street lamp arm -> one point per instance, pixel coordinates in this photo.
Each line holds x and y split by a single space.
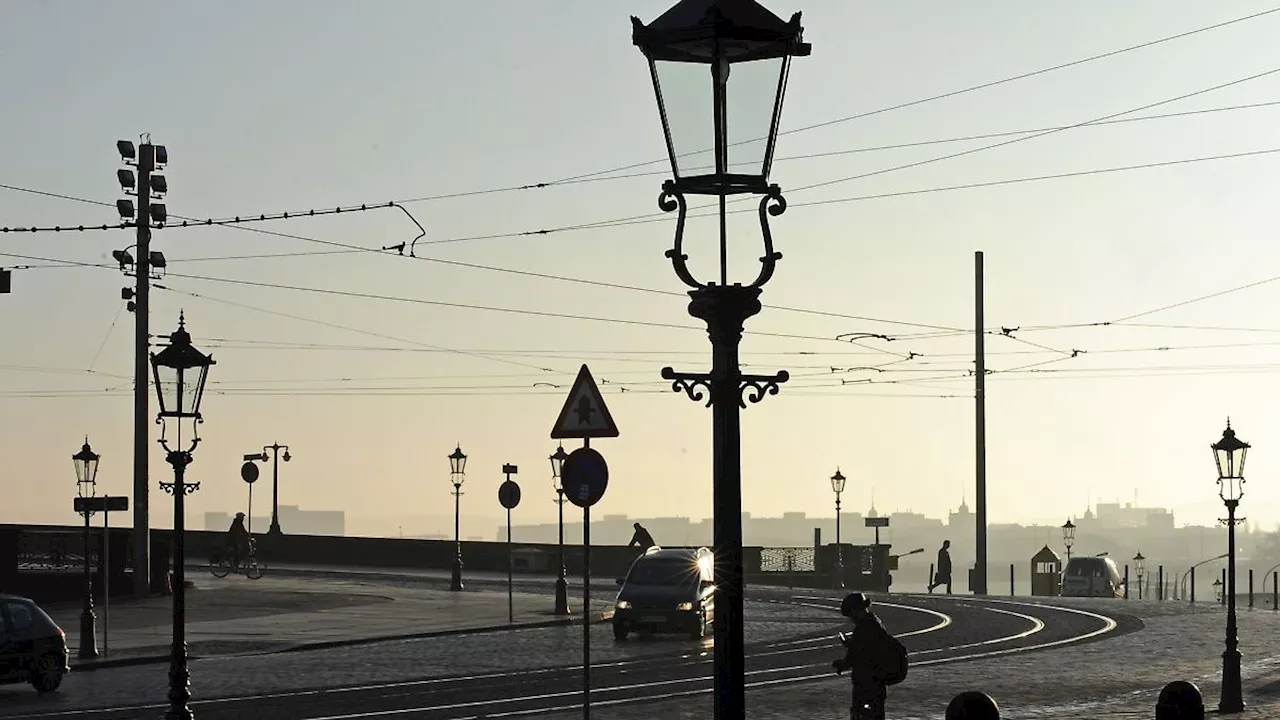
755 387
696 385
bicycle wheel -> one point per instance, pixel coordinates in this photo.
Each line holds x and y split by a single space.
220 566
255 569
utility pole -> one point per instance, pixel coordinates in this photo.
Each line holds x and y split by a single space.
147 159
980 398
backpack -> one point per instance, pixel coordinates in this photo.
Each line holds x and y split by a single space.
896 662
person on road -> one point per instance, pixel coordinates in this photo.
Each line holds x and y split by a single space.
874 658
238 541
943 574
642 538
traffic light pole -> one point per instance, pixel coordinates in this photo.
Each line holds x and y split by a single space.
141 385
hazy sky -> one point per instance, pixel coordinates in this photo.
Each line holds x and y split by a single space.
267 107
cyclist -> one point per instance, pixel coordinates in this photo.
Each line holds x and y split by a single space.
238 541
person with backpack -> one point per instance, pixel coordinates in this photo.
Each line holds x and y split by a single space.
874 658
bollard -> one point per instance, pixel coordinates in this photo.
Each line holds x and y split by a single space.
1160 582
1193 586
1275 590
931 578
973 705
1012 593
1126 581
1223 600
1250 587
1180 700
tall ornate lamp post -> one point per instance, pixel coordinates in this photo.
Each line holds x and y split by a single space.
562 586
457 475
837 487
1068 536
1140 568
180 372
86 487
1229 454
706 57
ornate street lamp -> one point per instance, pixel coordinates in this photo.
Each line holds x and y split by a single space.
180 372
86 462
1139 567
837 487
1229 454
562 586
707 57
457 475
1068 536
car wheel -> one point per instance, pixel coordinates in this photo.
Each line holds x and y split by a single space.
619 631
47 674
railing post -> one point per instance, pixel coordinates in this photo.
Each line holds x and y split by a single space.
1193 585
1012 592
929 582
1126 581
1250 587
1160 582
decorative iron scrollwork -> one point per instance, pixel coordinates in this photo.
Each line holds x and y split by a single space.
696 385
772 203
672 199
755 387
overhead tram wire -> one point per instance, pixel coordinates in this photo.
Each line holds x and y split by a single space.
962 91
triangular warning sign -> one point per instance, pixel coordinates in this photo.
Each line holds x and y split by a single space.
584 414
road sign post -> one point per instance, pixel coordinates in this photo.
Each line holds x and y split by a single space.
877 523
584 477
509 497
106 505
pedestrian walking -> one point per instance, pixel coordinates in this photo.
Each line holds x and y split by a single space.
943 574
874 658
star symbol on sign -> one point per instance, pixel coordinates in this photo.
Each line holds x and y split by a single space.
584 410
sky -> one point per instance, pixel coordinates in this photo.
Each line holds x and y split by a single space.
372 366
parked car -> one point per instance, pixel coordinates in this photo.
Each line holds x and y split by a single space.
666 591
1092 577
32 647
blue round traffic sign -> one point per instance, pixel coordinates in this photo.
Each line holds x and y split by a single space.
584 476
509 494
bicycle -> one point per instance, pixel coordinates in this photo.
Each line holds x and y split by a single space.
250 566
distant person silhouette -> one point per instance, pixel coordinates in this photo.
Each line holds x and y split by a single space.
238 541
641 538
943 574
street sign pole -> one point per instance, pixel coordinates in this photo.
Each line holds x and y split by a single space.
106 579
509 497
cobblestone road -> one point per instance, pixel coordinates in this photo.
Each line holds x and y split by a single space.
394 661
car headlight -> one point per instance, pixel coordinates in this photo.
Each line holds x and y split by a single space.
623 605
685 606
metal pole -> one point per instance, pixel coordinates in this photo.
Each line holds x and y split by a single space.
980 397
106 578
1275 590
1126 582
275 491
455 578
511 601
1012 591
1232 694
179 676
586 613
839 548
88 641
1223 580
1193 584
141 382
1160 583
1250 587
562 585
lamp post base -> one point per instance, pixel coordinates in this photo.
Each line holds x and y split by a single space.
455 577
88 634
1232 694
562 595
275 530
179 686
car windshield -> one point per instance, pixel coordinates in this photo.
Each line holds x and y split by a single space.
1086 569
664 572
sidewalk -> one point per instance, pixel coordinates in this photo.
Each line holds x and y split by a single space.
234 616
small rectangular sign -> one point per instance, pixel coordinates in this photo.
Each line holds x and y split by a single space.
877 522
106 503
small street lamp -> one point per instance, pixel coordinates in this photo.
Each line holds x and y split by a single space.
1217 590
719 70
180 372
1069 536
457 475
86 462
275 457
1229 454
837 487
1140 568
562 586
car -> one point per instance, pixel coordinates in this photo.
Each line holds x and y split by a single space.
33 649
1092 577
666 590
